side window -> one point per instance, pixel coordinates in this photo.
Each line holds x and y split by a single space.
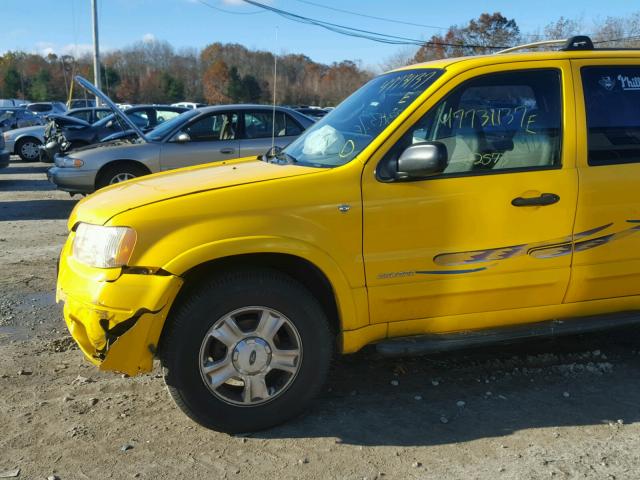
82 115
501 121
612 103
164 115
219 126
293 127
100 114
140 118
259 124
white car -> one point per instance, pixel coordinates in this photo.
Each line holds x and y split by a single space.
190 105
25 142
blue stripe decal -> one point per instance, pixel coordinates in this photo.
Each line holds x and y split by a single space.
449 272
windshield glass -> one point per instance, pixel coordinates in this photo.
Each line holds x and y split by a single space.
165 128
343 133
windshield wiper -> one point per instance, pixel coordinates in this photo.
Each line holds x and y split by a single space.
276 155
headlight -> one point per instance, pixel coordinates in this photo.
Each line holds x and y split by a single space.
103 247
70 162
6 136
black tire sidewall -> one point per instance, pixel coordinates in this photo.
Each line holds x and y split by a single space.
182 372
104 177
21 144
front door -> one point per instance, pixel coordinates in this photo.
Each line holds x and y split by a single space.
491 231
212 137
607 265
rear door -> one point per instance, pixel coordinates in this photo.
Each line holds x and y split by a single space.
258 128
212 137
606 264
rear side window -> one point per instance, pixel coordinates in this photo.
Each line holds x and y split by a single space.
259 124
496 122
612 103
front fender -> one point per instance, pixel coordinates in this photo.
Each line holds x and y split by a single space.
351 302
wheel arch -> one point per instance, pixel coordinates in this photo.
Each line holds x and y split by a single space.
326 282
18 141
123 161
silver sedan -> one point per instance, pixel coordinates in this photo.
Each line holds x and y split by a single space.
198 136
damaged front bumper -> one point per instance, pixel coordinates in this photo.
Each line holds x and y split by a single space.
115 317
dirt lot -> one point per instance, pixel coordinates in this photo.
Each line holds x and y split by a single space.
560 408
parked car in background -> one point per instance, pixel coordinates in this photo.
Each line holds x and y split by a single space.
81 103
198 136
25 142
43 109
89 114
314 112
145 117
17 117
189 105
13 102
4 154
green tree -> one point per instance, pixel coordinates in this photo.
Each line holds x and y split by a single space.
39 90
235 89
172 88
11 83
251 90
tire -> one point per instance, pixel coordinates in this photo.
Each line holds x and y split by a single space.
119 172
27 149
189 338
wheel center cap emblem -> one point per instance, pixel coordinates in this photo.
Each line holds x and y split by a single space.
251 356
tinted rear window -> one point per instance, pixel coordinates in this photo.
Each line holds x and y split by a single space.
612 103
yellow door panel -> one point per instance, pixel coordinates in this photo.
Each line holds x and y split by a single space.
454 243
608 159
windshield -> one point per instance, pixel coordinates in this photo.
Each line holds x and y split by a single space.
343 133
165 128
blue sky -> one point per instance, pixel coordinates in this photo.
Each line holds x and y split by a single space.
65 25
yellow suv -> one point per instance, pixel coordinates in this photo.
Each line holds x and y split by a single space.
456 202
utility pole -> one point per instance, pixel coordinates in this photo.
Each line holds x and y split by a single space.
96 48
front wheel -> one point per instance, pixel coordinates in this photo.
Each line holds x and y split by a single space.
246 351
119 172
28 149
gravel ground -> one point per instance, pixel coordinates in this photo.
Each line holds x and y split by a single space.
565 408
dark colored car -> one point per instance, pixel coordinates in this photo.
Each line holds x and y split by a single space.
89 114
146 117
16 117
60 138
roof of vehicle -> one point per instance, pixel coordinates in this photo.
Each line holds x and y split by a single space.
469 62
87 109
241 106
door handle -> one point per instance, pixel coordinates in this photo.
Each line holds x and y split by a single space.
542 200
227 150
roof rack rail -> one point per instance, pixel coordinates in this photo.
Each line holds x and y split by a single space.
579 42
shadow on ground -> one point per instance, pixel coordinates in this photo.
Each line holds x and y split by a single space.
362 407
35 209
33 168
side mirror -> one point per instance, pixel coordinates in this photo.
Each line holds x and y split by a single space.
182 137
422 160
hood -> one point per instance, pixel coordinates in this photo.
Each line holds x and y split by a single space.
101 206
66 121
107 101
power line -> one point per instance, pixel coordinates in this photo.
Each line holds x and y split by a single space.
390 20
226 11
360 33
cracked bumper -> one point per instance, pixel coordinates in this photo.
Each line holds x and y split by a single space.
115 318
